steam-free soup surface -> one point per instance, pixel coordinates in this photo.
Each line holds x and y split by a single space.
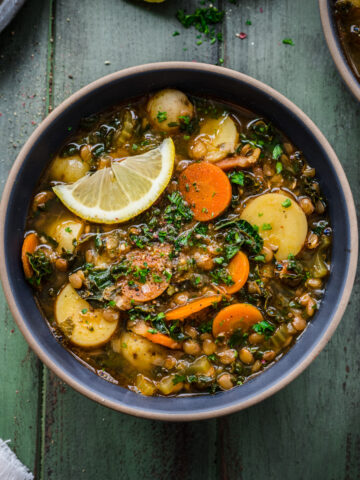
347 14
214 280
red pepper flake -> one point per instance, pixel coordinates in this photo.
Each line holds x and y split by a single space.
33 123
241 35
261 10
0 114
12 331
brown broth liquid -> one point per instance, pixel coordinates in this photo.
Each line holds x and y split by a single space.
348 22
194 254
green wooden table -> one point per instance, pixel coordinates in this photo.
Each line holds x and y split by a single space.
309 430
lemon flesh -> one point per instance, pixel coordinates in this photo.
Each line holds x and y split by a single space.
120 192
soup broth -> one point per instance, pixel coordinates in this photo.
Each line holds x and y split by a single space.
209 285
347 14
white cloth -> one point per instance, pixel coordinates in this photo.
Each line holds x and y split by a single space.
10 466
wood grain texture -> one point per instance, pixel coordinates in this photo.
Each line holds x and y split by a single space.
23 53
309 430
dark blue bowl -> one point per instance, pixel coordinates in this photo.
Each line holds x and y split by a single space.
335 47
231 87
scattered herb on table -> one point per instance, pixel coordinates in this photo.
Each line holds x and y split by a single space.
288 41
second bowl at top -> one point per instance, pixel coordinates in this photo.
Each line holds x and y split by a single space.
342 33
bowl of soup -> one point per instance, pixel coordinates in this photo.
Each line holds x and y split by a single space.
179 241
341 23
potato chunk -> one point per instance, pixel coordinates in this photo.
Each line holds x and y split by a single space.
281 222
218 138
83 327
165 108
67 234
68 169
139 352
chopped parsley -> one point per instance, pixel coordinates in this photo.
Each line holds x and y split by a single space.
279 167
277 151
237 178
222 276
288 41
157 278
263 328
206 327
266 226
202 20
161 117
177 212
286 203
68 230
141 273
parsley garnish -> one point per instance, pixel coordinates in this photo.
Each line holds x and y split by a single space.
237 177
266 226
263 328
201 19
288 41
141 273
277 151
161 117
286 203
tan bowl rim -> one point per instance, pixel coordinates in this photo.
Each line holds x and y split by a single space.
294 372
333 42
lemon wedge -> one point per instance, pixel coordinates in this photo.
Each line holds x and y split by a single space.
120 192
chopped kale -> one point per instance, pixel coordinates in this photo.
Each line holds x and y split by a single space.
177 212
41 266
241 234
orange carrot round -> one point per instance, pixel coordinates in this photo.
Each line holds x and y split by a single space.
192 307
163 340
29 246
238 268
207 190
238 315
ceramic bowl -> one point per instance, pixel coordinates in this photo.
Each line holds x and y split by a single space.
335 47
194 78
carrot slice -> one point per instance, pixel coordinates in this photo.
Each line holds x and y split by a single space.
239 271
164 340
152 265
207 190
238 315
141 328
30 243
192 307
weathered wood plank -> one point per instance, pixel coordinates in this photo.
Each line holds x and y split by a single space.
122 34
23 54
83 439
86 440
273 431
310 429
